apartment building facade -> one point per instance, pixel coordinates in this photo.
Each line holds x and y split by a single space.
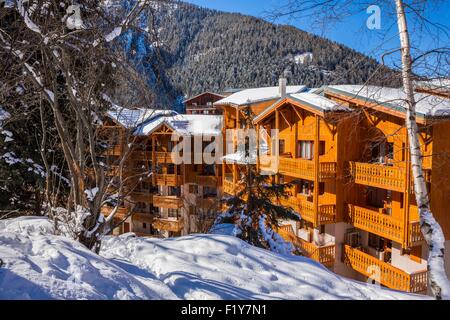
359 215
165 197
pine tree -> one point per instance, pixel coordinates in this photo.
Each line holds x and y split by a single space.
254 209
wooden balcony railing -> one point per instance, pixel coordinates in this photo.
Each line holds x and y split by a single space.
121 213
115 150
170 202
142 217
389 275
141 155
174 225
375 222
326 214
163 157
228 185
383 225
207 203
209 181
415 234
137 196
304 169
378 175
325 255
172 180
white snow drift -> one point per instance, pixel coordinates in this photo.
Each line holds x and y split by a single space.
40 265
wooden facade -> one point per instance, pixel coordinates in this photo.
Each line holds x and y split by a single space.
203 103
162 198
353 184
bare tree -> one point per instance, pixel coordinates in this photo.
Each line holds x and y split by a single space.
64 53
431 230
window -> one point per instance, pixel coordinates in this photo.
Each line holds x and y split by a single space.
144 225
281 146
209 192
375 242
170 145
173 213
171 168
322 148
175 191
321 188
209 170
305 149
390 151
306 187
382 152
353 238
193 188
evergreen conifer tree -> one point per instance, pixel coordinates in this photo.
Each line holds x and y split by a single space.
255 209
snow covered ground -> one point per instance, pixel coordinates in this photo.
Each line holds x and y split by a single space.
39 265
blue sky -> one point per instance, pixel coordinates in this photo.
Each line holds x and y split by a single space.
352 31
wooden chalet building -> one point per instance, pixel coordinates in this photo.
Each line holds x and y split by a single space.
203 103
163 199
346 148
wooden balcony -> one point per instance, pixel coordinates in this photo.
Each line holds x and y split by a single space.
121 213
115 150
172 180
142 217
164 157
228 185
141 155
207 203
378 175
389 276
173 225
326 214
138 196
415 234
383 225
325 255
170 202
304 169
375 222
209 181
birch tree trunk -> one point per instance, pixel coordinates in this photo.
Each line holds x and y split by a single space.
431 230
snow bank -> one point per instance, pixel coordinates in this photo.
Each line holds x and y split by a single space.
39 265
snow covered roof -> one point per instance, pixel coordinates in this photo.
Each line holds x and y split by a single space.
206 92
440 85
257 95
394 98
184 124
130 118
309 99
318 102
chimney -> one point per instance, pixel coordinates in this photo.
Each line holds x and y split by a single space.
282 87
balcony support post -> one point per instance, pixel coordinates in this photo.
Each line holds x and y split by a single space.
316 171
153 160
276 148
406 196
257 148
